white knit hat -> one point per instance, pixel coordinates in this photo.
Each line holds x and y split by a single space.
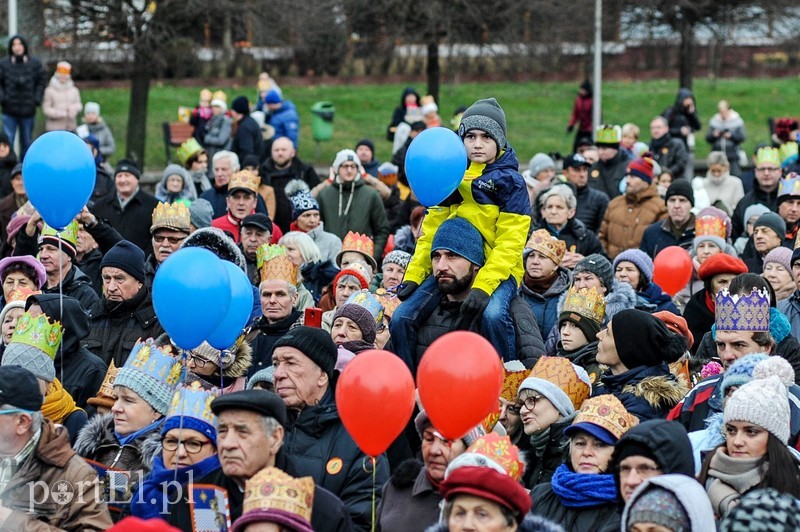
764 401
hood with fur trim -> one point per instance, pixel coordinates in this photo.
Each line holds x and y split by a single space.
661 392
218 243
99 430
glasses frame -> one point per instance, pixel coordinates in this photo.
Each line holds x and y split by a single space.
188 445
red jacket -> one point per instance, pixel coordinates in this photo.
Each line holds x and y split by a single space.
582 114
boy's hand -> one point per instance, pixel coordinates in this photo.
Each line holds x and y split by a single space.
407 290
476 302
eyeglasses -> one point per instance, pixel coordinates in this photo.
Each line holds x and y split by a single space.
171 239
642 470
191 446
530 402
14 411
514 409
199 362
767 169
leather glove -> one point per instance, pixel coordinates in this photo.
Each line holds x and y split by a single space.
475 303
407 290
570 128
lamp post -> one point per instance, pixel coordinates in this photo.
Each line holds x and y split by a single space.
598 65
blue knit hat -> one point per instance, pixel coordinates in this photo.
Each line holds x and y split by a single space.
741 371
126 256
639 259
302 202
191 409
460 237
150 373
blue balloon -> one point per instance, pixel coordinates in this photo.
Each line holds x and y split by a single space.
191 295
59 175
229 329
435 164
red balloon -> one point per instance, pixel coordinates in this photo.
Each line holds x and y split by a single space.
375 399
672 269
459 380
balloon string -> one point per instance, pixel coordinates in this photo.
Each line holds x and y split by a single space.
374 468
61 305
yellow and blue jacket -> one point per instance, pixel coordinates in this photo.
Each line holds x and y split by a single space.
495 200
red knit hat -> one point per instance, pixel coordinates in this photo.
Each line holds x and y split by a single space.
486 483
357 271
676 324
642 168
720 263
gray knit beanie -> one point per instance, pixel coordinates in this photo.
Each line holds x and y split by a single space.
200 213
34 360
540 162
598 265
488 116
659 506
772 221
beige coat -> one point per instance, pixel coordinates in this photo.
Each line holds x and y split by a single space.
61 105
627 217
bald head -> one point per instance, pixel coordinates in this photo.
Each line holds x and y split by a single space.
282 152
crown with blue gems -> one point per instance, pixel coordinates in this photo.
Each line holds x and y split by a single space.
363 298
39 332
746 312
589 303
193 401
789 185
151 373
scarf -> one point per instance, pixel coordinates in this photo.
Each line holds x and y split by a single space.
539 441
435 483
583 490
710 303
159 487
126 439
58 403
540 286
293 227
10 465
729 478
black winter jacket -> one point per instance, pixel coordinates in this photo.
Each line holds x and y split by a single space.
22 82
328 514
114 328
134 222
318 275
592 204
698 317
647 392
578 238
757 195
670 154
248 139
677 116
83 371
542 464
278 178
547 504
319 446
606 175
659 236
263 336
409 502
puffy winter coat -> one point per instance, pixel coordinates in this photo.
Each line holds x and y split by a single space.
22 82
592 205
577 238
187 193
606 175
248 139
576 519
717 127
102 132
690 494
286 122
544 305
27 493
670 154
627 217
329 244
61 105
659 236
409 502
654 299
698 317
320 447
318 275
218 134
647 392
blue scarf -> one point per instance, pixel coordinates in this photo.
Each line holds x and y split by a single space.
159 487
125 440
583 490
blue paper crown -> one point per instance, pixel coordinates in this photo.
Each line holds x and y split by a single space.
192 403
790 185
748 312
151 373
363 298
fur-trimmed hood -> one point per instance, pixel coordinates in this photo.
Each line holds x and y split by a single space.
217 242
621 297
151 447
663 391
243 357
99 430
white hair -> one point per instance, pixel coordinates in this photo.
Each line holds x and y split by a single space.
309 250
232 157
562 191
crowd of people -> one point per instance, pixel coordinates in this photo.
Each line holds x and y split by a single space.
622 407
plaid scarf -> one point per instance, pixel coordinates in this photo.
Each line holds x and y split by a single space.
9 466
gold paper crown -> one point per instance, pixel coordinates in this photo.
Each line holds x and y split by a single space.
244 179
512 378
69 234
548 245
500 450
173 216
275 264
193 401
272 489
589 303
710 226
768 155
38 332
607 412
358 242
107 388
746 312
559 371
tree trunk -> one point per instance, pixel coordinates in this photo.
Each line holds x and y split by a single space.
137 113
433 69
686 59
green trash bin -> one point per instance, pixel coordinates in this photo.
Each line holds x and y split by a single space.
322 121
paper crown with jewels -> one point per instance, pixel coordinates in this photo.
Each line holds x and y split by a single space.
151 373
389 300
542 241
193 401
788 153
360 244
768 155
68 235
708 225
492 450
105 395
608 134
513 375
174 216
272 495
589 303
187 149
38 332
275 265
746 312
608 413
244 180
363 298
789 185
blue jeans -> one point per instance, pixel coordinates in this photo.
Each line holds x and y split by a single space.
25 124
496 323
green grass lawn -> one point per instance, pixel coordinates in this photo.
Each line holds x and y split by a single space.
537 113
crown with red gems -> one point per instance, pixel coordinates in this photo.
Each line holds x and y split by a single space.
589 303
273 490
39 332
608 412
548 245
710 226
244 179
358 242
746 312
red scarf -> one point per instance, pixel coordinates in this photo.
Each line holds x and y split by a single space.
293 227
710 303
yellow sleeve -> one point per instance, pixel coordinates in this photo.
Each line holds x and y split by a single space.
420 266
505 259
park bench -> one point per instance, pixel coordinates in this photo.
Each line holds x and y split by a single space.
175 134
